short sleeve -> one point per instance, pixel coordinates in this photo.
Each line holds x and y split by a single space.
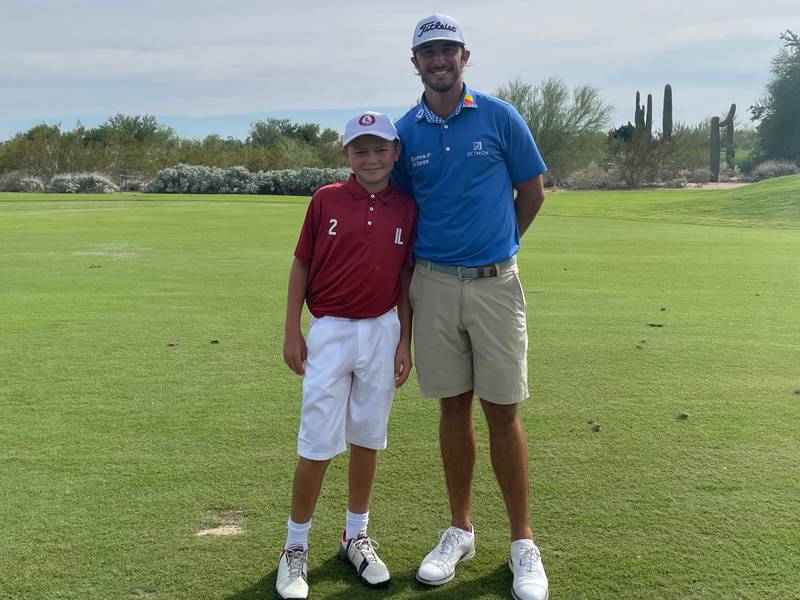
522 156
409 258
400 177
308 234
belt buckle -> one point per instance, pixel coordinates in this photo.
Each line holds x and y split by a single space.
477 272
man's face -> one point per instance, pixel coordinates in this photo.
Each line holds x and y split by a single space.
441 64
371 158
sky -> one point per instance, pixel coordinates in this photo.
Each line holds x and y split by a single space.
215 67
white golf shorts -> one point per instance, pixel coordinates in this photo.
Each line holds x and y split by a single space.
349 384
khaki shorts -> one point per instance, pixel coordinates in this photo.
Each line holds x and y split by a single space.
470 334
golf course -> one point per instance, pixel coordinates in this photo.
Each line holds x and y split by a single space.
148 422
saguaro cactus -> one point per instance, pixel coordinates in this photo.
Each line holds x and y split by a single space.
638 120
714 146
730 154
648 123
714 149
666 123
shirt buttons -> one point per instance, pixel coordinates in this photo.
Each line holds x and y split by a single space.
444 126
369 222
371 208
447 148
372 195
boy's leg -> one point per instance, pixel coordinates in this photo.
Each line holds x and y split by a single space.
326 387
367 419
363 467
308 478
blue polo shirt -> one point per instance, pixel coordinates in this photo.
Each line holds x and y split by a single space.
462 173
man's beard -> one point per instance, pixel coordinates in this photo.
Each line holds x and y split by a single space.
442 87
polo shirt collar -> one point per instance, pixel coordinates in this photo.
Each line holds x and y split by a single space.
358 192
467 101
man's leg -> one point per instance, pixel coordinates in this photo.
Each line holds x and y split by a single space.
457 443
510 462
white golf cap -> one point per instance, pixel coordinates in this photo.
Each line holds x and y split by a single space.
369 123
437 27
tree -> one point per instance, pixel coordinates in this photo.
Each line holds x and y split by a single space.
566 125
778 112
294 145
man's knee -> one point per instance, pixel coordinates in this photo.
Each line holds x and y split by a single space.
500 416
457 408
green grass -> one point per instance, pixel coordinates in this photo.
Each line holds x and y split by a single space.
115 448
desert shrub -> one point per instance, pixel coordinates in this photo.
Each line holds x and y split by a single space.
696 175
81 183
236 180
591 177
186 179
195 179
677 183
773 168
18 181
305 182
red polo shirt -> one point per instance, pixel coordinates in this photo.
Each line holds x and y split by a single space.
356 242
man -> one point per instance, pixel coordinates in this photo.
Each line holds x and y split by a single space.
464 155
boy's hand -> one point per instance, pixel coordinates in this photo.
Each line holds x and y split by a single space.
295 352
402 364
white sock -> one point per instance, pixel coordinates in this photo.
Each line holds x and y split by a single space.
297 535
355 525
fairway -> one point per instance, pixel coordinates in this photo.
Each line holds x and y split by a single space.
143 398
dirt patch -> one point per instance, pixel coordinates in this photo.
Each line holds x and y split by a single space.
224 522
222 530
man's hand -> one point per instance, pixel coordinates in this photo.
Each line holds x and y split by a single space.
402 364
295 352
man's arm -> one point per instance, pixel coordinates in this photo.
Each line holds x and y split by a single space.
530 196
402 356
294 345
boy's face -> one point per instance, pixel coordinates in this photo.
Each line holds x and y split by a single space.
371 158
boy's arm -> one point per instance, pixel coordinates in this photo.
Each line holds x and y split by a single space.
294 345
402 356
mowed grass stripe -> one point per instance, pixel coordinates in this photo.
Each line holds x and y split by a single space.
117 448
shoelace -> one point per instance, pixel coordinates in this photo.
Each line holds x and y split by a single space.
529 560
367 548
296 558
448 543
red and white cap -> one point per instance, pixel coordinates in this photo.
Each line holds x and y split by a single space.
437 27
369 123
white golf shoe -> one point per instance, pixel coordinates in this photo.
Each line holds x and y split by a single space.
439 566
530 581
360 552
292 581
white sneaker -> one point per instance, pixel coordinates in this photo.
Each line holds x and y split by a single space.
530 581
439 566
292 582
360 552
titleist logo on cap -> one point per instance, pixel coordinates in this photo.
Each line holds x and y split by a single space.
432 25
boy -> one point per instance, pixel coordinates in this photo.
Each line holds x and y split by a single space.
352 267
